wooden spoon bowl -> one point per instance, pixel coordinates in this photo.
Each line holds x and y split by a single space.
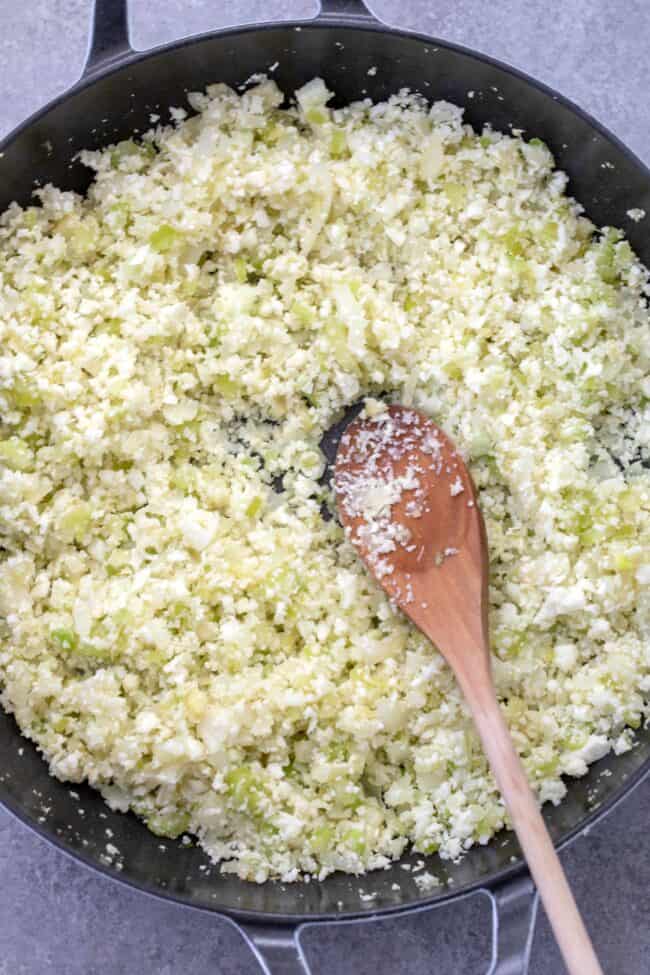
440 513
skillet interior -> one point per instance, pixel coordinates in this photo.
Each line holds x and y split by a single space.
604 177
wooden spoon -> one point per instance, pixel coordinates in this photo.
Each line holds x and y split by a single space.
408 504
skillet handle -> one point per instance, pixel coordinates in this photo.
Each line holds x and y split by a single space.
109 31
349 11
276 947
109 35
278 950
514 910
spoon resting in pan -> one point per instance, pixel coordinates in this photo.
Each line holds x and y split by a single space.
407 503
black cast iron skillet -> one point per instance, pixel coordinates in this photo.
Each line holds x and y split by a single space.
115 96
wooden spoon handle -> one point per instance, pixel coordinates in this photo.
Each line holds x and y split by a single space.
543 861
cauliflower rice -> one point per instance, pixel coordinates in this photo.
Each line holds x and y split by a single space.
208 651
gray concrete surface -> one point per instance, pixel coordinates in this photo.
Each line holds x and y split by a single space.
57 918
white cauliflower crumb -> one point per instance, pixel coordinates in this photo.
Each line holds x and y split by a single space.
456 487
208 651
368 897
426 882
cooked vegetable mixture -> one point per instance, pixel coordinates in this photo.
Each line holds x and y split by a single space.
181 626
